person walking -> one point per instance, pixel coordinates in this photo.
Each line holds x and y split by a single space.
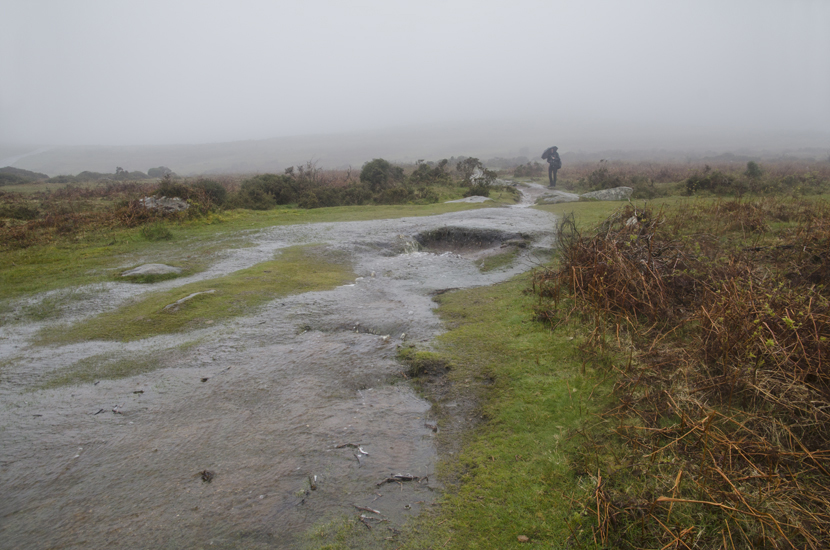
554 164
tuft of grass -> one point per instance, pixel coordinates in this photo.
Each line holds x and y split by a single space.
497 261
156 231
109 366
296 270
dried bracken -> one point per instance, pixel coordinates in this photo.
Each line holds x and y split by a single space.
722 411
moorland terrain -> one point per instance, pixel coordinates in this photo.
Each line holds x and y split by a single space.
651 373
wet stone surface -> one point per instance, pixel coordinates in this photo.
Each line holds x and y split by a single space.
264 403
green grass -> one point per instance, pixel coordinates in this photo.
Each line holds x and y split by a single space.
296 270
513 474
587 214
497 261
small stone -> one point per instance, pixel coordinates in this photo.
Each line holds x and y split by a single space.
522 538
175 305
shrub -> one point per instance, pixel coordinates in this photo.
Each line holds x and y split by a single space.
356 194
169 188
753 170
644 188
214 190
478 190
308 200
602 178
254 198
380 174
716 182
279 189
430 173
425 195
467 168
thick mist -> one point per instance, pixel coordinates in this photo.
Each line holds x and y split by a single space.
640 73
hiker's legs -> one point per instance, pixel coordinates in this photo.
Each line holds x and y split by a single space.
554 177
551 174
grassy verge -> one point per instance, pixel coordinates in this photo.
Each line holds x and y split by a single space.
513 472
296 270
496 261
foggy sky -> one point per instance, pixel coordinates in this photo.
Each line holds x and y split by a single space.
195 71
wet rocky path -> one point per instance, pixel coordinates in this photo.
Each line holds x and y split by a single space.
240 437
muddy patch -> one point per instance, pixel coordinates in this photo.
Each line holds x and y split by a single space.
470 243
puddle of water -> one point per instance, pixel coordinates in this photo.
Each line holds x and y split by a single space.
261 402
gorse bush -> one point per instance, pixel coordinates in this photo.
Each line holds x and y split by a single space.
267 190
168 187
380 174
430 174
214 190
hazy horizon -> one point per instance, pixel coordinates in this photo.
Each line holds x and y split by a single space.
187 72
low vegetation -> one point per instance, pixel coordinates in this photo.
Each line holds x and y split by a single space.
718 420
663 384
36 215
196 305
718 177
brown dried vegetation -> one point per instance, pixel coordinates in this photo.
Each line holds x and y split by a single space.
73 211
722 405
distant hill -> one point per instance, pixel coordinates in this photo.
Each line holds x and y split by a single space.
10 175
507 139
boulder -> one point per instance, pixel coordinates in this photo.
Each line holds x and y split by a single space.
165 204
152 269
556 197
615 194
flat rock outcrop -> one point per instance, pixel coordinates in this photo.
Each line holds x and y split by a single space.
556 197
165 204
615 194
